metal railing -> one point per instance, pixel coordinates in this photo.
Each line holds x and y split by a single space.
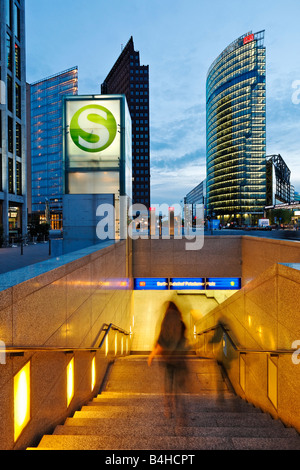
12 351
71 390
268 384
244 350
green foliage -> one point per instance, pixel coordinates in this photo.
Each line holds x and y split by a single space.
282 216
39 230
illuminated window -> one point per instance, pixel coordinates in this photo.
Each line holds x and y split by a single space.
10 176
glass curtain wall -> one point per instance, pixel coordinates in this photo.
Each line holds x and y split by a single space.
47 142
236 132
13 213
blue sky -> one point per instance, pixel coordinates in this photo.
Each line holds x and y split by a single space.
178 39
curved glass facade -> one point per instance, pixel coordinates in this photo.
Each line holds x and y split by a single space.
236 131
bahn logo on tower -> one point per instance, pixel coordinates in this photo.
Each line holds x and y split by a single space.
249 38
92 129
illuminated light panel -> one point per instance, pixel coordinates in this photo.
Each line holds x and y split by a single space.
93 371
116 344
273 382
21 400
70 381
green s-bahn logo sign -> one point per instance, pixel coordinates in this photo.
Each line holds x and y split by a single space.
93 128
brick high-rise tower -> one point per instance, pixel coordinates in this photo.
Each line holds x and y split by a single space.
130 78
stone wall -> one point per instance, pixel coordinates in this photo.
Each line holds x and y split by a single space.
60 303
263 316
258 254
219 257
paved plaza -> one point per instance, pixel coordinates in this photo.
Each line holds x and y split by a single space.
11 258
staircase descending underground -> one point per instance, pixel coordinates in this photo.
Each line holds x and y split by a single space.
129 415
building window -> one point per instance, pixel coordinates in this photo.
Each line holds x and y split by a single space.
19 178
9 93
8 13
10 176
1 187
10 130
17 61
18 100
9 51
17 21
18 140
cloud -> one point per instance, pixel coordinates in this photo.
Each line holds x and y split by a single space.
180 162
178 157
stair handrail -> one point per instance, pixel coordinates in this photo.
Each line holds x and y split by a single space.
106 327
245 350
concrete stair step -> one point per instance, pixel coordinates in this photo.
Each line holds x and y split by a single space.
144 411
277 443
84 442
200 406
74 426
198 419
129 415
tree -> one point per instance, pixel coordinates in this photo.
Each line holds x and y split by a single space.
282 216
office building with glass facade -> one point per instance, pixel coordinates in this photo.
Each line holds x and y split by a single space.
236 132
47 168
279 188
130 78
13 210
197 196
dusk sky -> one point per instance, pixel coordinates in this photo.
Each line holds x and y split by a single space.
179 40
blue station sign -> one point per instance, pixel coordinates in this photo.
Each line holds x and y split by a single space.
187 284
201 283
230 283
151 283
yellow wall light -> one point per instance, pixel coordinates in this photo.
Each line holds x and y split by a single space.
116 344
21 400
70 381
106 346
93 378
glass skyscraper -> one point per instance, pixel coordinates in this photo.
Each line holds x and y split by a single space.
13 210
236 131
47 168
